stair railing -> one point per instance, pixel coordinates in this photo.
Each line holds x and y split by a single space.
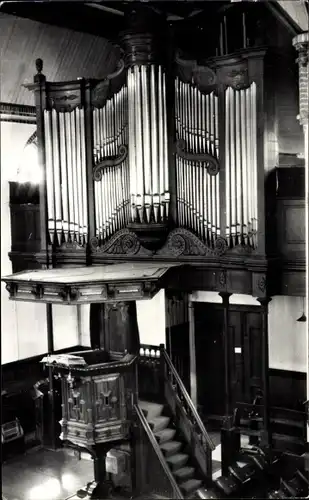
160 479
188 418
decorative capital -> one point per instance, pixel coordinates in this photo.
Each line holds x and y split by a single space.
225 297
264 301
301 44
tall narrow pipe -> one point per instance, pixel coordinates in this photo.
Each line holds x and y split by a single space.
254 159
243 122
249 162
131 134
84 175
154 143
233 166
146 139
238 161
161 142
78 175
138 140
57 178
165 150
49 176
227 164
64 180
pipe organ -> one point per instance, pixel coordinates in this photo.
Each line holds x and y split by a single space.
157 146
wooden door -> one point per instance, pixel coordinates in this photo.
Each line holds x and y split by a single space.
246 335
246 362
209 358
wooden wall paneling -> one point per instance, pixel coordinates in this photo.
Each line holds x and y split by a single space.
291 228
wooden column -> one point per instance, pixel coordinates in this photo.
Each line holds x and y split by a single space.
227 358
266 434
301 44
230 439
89 171
40 102
51 393
193 383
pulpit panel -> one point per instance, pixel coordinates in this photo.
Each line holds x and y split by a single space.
108 398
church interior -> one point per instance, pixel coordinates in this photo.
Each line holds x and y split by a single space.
154 257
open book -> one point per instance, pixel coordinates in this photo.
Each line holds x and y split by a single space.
64 359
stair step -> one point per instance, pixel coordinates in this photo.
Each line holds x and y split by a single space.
158 423
170 448
165 435
190 486
184 473
152 410
177 461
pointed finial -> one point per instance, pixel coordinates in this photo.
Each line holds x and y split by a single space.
39 65
39 77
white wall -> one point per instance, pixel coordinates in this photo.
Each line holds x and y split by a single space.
23 324
287 337
151 319
84 325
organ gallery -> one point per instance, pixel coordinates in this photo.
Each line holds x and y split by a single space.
165 175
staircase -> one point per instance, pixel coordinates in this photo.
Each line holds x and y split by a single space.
174 449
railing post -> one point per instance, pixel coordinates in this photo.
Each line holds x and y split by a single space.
193 385
162 370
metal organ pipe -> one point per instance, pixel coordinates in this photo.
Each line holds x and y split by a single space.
196 123
111 192
241 165
66 176
64 180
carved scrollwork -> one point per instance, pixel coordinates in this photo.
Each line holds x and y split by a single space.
71 245
111 161
69 294
212 164
38 291
12 289
181 242
66 101
200 75
102 89
236 76
94 243
221 246
222 279
123 243
262 283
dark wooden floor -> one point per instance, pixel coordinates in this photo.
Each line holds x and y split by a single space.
44 475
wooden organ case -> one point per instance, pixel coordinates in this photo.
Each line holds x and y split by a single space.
163 162
165 158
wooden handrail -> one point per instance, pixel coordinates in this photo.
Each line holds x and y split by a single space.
186 396
158 452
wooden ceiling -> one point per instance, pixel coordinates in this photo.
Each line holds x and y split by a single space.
106 18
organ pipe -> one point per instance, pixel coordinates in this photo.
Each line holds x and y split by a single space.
241 165
66 176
